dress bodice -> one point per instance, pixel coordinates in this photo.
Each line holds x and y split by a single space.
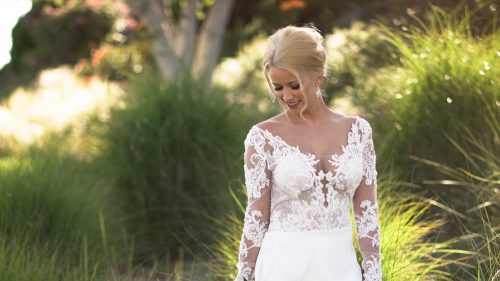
308 191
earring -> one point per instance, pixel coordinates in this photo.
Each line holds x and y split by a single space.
318 92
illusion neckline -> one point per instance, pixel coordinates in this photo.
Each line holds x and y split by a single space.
315 156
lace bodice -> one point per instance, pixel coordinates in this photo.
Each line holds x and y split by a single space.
289 190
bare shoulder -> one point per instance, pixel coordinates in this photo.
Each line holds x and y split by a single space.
359 123
279 123
343 121
272 122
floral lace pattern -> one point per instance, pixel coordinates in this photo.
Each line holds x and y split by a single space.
287 191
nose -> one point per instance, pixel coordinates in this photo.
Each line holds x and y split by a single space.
287 94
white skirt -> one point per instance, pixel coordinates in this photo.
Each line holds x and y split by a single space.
308 256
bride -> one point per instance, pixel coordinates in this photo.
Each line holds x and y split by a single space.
304 169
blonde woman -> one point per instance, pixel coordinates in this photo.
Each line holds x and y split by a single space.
304 170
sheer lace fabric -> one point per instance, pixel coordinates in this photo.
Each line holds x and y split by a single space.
289 190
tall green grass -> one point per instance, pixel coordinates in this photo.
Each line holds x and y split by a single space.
223 254
478 179
171 149
444 78
476 220
438 111
59 218
23 260
484 242
50 214
48 194
411 249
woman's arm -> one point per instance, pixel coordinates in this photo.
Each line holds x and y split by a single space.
365 209
257 180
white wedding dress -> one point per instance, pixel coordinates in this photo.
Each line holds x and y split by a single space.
297 223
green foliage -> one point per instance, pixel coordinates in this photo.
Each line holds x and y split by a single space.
478 217
354 54
59 219
435 108
482 238
410 250
40 185
243 78
23 261
49 36
114 62
478 181
223 254
251 18
50 216
446 79
486 247
172 149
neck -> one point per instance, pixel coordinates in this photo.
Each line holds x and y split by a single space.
315 112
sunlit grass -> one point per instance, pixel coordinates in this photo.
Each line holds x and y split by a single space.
440 77
21 259
58 219
484 242
411 249
58 99
49 208
477 220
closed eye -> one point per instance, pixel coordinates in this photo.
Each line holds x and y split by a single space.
292 86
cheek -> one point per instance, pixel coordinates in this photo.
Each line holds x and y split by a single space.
310 90
297 93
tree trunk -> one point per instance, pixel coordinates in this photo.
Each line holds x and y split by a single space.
174 44
163 31
186 39
210 38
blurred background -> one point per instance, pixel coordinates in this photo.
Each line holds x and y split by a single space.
122 127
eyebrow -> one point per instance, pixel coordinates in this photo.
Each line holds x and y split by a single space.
291 82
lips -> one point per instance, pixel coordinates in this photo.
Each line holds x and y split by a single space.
292 104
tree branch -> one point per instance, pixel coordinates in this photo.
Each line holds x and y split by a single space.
211 36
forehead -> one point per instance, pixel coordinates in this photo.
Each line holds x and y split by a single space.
280 75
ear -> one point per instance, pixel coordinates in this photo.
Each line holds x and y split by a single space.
320 78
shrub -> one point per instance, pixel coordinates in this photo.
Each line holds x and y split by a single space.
446 79
354 54
477 218
51 216
243 77
50 36
172 148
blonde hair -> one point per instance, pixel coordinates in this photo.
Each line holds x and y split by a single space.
296 49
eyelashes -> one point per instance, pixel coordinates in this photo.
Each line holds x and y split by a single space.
293 87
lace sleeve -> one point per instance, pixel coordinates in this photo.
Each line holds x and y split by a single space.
366 209
257 180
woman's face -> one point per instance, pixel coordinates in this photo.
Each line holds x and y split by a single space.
287 88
